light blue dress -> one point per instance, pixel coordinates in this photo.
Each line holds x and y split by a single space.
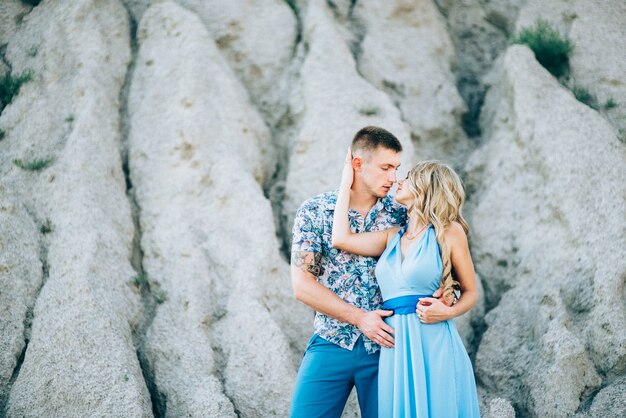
428 373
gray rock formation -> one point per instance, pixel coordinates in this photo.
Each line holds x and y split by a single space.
21 278
258 38
597 61
479 31
547 207
609 401
11 13
80 346
246 33
143 263
416 73
227 296
333 102
500 408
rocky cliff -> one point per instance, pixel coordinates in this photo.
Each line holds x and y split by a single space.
153 155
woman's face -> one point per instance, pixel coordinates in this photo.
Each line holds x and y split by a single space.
403 194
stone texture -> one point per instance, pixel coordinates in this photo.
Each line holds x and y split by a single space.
228 302
609 402
11 14
500 408
416 73
80 359
258 38
548 198
331 103
21 277
225 103
597 61
136 8
479 31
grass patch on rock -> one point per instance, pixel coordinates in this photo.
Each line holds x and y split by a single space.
584 96
46 227
140 280
35 164
550 47
10 87
369 110
609 104
159 295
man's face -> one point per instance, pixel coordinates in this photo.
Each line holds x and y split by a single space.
378 170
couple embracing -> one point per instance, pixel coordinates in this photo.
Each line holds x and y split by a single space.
385 275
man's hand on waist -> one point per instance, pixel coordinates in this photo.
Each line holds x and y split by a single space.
372 325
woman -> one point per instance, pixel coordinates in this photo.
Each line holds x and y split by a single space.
427 373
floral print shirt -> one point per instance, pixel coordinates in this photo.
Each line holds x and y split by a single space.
349 276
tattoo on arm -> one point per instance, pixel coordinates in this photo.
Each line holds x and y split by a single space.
307 261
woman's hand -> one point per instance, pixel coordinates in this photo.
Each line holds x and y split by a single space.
433 310
347 176
448 300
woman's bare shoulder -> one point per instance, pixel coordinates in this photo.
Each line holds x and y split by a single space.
454 233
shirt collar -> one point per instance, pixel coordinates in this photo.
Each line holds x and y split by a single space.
386 202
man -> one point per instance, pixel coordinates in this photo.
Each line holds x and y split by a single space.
349 328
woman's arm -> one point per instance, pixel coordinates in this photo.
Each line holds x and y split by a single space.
464 268
370 244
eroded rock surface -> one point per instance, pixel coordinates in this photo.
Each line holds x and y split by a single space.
81 343
555 331
333 102
416 73
224 281
597 62
143 268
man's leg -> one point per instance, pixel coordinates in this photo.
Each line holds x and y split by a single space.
324 380
366 380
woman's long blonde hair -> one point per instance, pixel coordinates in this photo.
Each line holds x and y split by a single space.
439 198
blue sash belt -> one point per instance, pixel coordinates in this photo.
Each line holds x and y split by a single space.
404 304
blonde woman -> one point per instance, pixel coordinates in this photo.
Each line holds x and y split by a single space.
426 372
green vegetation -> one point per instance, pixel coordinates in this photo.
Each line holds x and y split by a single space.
2 134
293 5
550 48
10 87
609 104
140 279
31 2
159 295
32 51
583 96
46 227
369 110
33 165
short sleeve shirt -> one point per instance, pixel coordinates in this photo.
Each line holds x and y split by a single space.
349 276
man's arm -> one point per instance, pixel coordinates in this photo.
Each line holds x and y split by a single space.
305 266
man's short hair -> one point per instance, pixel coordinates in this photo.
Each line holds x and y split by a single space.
370 138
